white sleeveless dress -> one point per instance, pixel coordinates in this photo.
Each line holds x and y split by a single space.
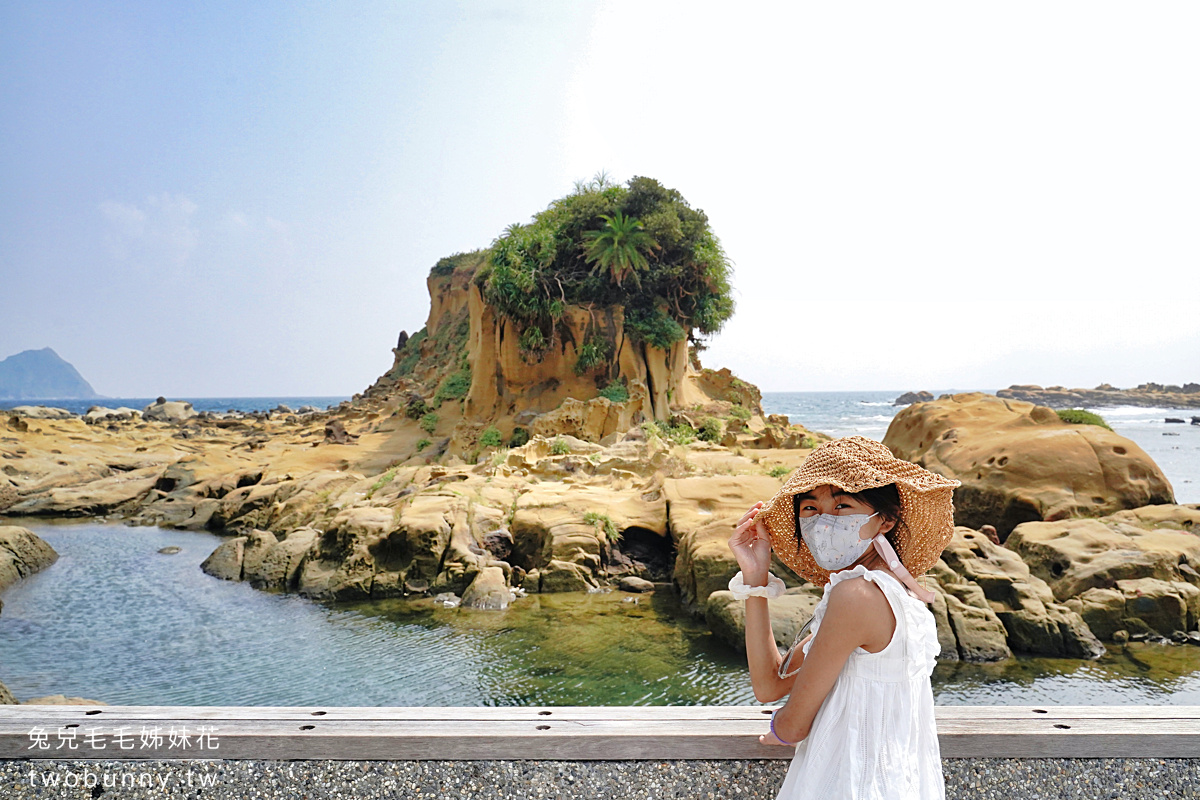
874 737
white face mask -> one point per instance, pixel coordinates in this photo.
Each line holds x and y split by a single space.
833 540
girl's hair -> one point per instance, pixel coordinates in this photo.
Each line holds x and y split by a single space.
883 499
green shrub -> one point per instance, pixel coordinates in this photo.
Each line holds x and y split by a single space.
679 434
421 445
603 523
383 481
490 437
740 412
429 422
519 437
1077 416
710 430
532 341
454 386
594 352
640 246
446 266
616 392
654 326
559 447
778 471
416 408
410 354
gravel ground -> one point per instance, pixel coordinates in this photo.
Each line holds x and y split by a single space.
1011 779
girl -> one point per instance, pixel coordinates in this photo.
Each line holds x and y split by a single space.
860 707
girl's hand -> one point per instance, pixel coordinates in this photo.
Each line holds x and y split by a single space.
751 546
770 738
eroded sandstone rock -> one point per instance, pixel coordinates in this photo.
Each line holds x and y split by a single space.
1122 571
726 616
1034 622
1019 462
703 511
22 553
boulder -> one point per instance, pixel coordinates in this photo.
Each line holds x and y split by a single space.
41 412
564 576
279 567
1075 555
908 398
226 561
169 411
1019 462
590 421
978 633
489 590
22 553
99 414
1024 604
726 616
632 583
703 511
6 697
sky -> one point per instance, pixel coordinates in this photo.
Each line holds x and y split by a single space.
232 199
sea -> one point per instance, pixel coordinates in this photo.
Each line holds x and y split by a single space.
1174 447
213 404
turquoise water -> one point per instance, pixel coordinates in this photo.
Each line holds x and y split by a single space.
116 621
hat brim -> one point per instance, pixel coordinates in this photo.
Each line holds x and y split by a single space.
853 464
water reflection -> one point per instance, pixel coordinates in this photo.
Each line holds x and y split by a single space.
116 621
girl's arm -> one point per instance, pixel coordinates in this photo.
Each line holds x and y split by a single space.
751 545
858 615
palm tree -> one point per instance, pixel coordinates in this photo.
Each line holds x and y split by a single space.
620 247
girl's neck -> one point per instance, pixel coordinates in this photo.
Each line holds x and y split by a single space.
872 560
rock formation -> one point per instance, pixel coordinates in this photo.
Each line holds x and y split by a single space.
1151 395
1135 571
1019 462
22 553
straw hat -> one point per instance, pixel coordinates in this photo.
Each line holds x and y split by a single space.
853 464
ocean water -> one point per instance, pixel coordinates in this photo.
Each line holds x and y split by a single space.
1174 447
214 404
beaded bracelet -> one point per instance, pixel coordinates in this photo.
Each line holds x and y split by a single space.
741 591
776 735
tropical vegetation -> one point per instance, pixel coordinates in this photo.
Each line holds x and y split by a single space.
640 246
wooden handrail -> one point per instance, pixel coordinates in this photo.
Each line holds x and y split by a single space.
556 732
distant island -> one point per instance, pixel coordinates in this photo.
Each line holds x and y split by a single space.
42 374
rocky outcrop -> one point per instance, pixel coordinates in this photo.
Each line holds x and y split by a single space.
6 697
1148 395
726 616
114 493
22 553
1034 622
703 511
1134 571
169 411
908 398
1019 462
40 412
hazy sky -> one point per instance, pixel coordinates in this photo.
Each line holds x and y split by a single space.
215 199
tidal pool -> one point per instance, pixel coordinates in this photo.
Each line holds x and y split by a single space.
116 621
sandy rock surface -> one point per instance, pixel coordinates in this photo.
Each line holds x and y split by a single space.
1019 462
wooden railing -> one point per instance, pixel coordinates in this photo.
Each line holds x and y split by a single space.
556 733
